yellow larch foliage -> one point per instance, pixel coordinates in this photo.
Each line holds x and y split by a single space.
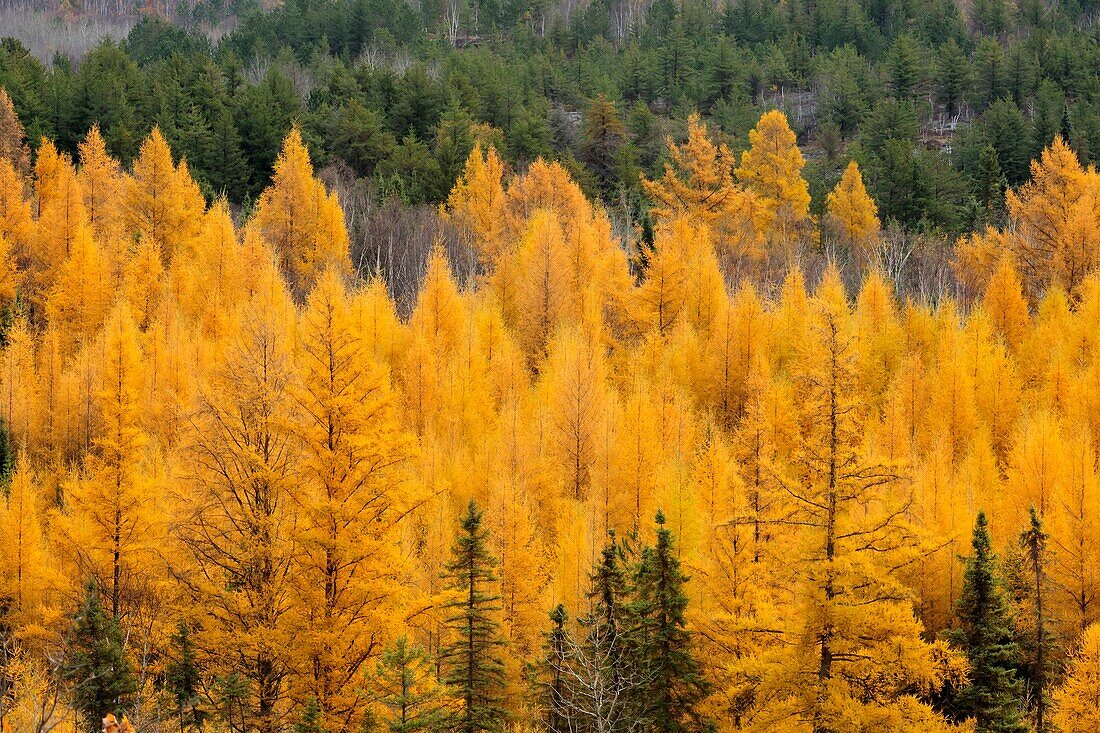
1074 523
1054 214
772 169
101 182
849 628
10 277
209 281
302 221
13 139
524 577
698 183
576 399
853 213
663 296
477 206
110 522
26 566
997 388
736 345
1048 354
19 388
881 345
436 330
160 200
1037 468
239 443
952 390
1076 706
377 323
173 362
942 512
791 318
235 513
81 296
352 493
1005 304
764 442
631 483
16 223
1054 222
142 283
546 186
543 287
61 215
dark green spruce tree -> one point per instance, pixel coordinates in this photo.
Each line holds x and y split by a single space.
660 642
556 694
471 661
182 679
990 183
404 684
97 667
985 633
310 722
1035 637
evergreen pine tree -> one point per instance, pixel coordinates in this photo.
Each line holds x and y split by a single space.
310 721
1037 639
660 641
985 635
97 667
472 663
604 135
609 589
990 181
556 655
407 691
952 77
906 67
182 679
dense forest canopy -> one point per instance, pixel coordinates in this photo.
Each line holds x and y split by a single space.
561 369
395 95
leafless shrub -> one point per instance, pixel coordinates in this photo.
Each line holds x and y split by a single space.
596 681
256 69
393 239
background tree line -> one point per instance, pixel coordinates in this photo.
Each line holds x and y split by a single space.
916 92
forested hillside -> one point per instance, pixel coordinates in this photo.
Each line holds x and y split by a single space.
942 105
357 376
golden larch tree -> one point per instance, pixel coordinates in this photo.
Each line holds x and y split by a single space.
352 495
111 522
544 285
236 510
576 398
19 388
476 204
101 182
81 296
160 200
302 221
772 169
16 223
26 566
855 649
1005 304
13 138
853 215
62 220
699 183
1077 701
